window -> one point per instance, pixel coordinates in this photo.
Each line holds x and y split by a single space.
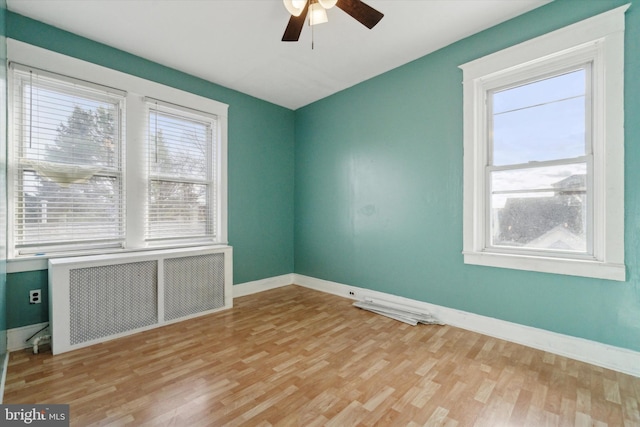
67 177
181 149
103 161
543 143
539 161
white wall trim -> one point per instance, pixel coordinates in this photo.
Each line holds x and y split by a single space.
17 337
603 355
30 264
248 288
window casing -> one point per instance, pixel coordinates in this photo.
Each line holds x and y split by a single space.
544 153
121 165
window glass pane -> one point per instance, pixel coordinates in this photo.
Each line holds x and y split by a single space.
543 178
180 146
68 128
178 210
569 85
540 121
67 162
540 208
180 174
49 213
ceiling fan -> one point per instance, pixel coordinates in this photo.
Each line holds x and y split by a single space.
317 11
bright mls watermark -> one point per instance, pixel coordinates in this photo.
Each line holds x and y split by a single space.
34 415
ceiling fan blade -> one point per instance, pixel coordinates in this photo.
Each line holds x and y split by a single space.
294 27
361 12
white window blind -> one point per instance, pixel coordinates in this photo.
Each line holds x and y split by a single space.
67 152
181 149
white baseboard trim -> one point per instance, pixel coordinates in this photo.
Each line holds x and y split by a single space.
17 337
595 353
606 356
256 286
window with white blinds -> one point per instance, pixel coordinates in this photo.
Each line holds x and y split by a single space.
181 145
102 161
66 181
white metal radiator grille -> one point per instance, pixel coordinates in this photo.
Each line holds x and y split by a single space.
98 298
111 299
190 285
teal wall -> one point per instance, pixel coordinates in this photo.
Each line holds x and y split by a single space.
260 162
20 312
378 193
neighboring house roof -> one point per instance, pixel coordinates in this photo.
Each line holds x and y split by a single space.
535 221
559 237
571 183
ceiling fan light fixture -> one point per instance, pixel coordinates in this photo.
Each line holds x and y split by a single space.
294 7
328 4
317 14
316 10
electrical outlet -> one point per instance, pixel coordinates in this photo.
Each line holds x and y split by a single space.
352 294
35 296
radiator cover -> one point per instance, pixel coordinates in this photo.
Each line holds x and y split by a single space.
187 288
97 298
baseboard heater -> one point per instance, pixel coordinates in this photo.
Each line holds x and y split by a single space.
93 299
409 315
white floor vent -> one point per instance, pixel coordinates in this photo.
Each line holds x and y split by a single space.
406 314
97 298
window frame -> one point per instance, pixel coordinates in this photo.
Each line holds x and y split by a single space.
547 70
134 145
600 41
64 85
210 121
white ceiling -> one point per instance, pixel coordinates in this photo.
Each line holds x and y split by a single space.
236 43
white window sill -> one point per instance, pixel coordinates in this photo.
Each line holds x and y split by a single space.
571 267
41 262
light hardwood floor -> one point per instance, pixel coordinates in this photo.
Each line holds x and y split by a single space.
297 357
